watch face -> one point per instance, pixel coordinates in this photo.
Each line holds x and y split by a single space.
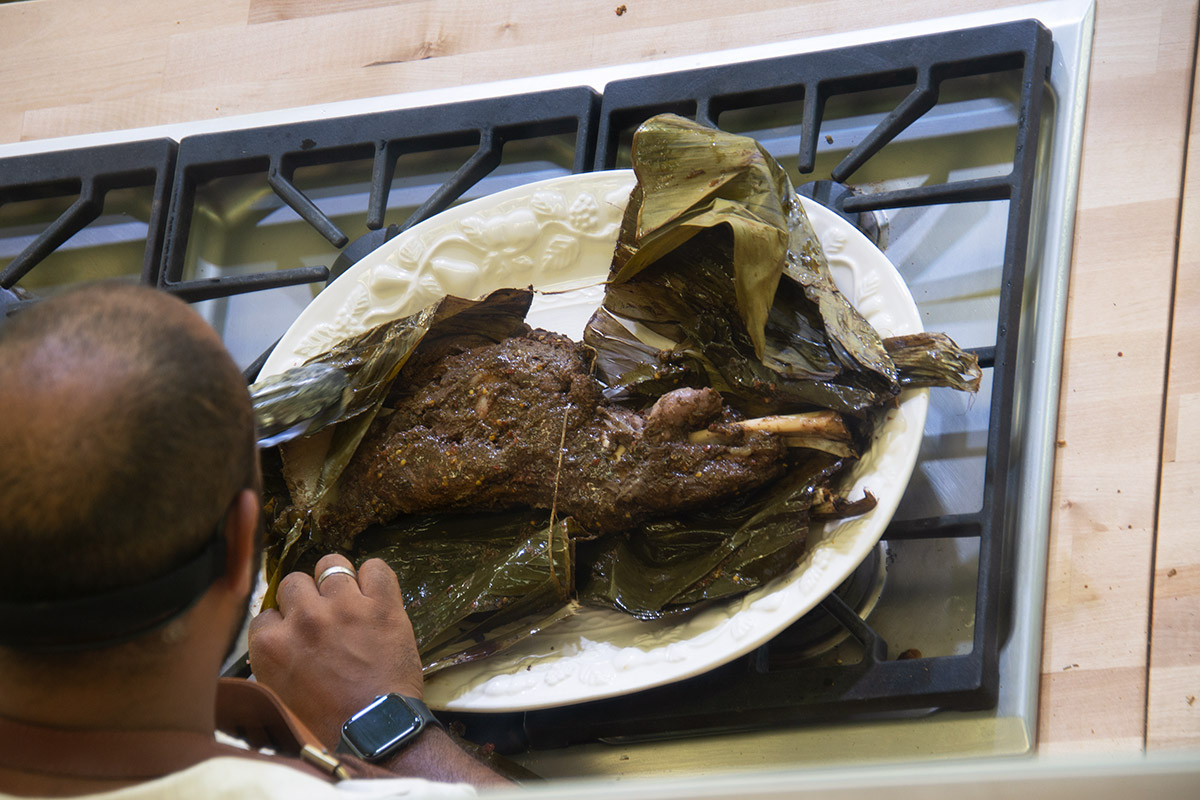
381 726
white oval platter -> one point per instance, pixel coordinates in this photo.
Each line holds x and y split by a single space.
558 235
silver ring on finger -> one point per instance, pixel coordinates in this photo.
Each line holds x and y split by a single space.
335 570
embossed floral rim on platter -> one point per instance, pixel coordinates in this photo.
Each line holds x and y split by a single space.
558 236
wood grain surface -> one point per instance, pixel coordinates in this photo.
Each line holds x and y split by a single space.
1123 557
1111 404
1173 714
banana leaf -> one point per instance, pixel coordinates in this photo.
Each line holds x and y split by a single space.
370 361
671 566
933 359
474 583
634 371
855 342
686 185
692 177
687 298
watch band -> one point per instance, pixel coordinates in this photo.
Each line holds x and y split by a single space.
427 717
385 726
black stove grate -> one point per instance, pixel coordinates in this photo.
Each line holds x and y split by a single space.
482 127
86 176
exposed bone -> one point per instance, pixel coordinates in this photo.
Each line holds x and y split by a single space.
827 425
834 448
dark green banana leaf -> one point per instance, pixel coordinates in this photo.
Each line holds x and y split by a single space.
633 371
691 178
473 582
687 298
933 359
853 340
671 566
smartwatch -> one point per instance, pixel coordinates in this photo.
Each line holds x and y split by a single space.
387 724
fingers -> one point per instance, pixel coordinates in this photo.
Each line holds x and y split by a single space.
334 573
331 647
379 581
263 621
295 589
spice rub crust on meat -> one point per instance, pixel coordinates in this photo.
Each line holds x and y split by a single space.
523 424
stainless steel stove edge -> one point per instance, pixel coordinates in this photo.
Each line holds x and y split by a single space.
1111 777
1068 83
945 736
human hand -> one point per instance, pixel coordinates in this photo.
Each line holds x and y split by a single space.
329 651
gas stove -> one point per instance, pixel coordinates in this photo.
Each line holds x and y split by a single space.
954 145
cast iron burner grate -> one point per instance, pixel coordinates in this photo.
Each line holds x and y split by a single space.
85 177
819 633
484 127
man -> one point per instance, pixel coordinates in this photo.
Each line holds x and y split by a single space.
129 525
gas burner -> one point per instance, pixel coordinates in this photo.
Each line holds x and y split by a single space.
13 299
818 632
832 195
359 249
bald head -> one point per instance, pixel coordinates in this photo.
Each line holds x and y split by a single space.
126 431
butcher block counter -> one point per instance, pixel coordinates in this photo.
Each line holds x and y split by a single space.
1121 659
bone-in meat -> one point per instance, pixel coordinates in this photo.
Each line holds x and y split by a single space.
523 424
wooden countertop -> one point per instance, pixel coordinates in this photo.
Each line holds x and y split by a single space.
1121 664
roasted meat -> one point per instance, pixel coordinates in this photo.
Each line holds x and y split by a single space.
523 424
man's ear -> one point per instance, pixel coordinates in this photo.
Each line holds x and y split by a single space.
241 530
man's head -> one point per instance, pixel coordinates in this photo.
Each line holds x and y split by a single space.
126 432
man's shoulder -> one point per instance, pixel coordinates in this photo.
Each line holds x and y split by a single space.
253 779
